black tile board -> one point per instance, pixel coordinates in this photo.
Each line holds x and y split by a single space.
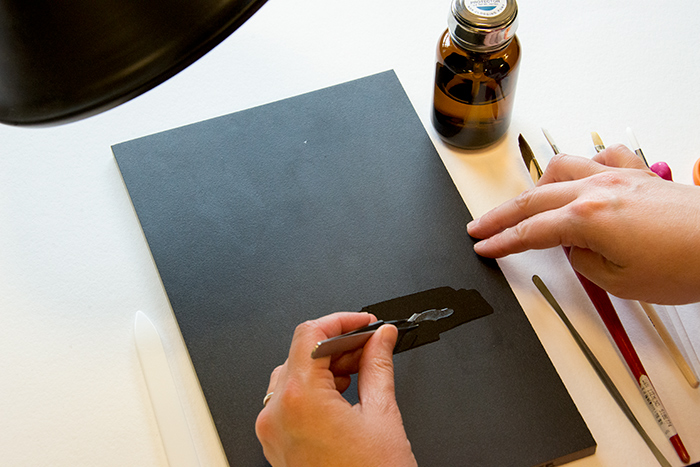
329 201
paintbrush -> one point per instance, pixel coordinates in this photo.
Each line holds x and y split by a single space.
635 146
550 140
659 168
597 141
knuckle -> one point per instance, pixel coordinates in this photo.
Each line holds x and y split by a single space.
306 328
585 209
264 426
523 200
292 398
608 178
276 372
618 148
557 160
606 193
519 233
306 325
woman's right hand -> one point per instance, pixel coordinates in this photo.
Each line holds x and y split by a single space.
630 232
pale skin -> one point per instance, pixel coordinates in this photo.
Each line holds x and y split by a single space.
631 232
307 422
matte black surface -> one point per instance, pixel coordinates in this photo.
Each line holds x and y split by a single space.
66 59
466 305
329 201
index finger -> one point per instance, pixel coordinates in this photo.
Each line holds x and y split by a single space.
523 206
551 192
310 333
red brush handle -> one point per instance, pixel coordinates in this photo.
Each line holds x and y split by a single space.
607 313
602 303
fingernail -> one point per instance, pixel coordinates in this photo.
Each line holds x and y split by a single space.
473 224
478 246
388 337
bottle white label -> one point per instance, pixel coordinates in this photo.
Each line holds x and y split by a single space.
486 8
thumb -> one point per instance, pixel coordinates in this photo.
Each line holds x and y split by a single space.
375 380
594 266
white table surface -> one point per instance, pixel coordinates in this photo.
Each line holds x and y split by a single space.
75 267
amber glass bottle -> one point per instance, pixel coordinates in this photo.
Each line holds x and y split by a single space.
476 73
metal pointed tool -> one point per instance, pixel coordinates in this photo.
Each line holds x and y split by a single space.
607 381
355 339
430 315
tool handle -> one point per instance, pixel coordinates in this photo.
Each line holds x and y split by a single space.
612 322
606 311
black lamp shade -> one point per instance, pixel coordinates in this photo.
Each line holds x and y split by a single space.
62 60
